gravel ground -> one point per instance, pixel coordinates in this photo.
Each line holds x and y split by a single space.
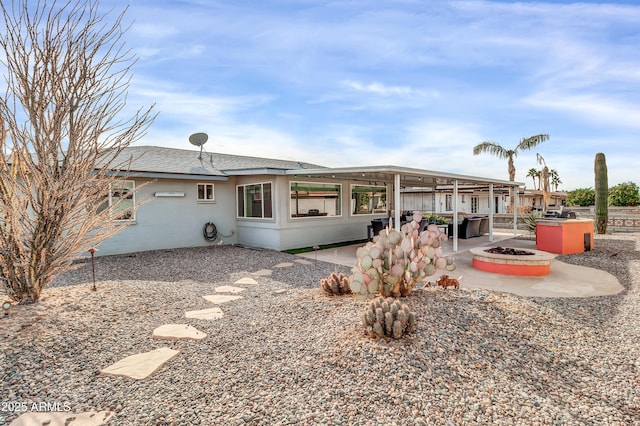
301 357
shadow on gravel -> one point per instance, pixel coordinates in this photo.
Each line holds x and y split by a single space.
202 264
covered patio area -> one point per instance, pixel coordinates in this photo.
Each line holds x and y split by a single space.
397 178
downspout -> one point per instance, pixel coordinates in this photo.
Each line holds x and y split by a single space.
455 216
491 210
396 201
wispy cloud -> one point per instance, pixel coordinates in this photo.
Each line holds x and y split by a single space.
407 83
378 88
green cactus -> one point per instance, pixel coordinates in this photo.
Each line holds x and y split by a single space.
336 284
395 261
379 319
602 193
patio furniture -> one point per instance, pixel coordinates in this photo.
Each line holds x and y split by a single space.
484 226
469 228
377 225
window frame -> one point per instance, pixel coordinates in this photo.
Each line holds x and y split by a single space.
213 192
448 202
372 211
131 194
322 215
260 198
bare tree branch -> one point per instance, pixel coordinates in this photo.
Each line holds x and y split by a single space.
67 74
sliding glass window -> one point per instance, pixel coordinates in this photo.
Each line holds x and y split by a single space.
368 199
255 201
314 199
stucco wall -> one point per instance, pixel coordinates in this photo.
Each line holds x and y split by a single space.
284 232
174 222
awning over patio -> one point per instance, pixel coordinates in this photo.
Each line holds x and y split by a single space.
404 177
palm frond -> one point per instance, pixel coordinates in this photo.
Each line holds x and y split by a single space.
491 148
531 141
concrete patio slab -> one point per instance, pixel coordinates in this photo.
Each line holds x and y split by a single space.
141 366
177 332
563 280
208 314
219 299
229 289
89 418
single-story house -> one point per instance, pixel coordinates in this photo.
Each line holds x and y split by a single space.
474 199
262 202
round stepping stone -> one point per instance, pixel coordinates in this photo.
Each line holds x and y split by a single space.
246 280
219 299
88 418
280 291
230 289
178 331
208 314
284 265
141 366
262 272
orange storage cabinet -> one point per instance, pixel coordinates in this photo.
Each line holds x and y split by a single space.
564 236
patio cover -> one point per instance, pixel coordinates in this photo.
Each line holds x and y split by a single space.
406 177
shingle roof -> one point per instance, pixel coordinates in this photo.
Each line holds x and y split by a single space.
154 159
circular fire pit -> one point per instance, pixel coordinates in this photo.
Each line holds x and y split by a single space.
503 261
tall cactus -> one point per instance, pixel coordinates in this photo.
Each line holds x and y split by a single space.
602 193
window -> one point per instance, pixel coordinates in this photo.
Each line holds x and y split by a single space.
255 200
121 199
205 192
368 199
474 204
313 199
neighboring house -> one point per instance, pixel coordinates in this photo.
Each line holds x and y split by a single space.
475 200
471 200
259 202
533 201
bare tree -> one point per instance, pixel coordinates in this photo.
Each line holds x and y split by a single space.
67 74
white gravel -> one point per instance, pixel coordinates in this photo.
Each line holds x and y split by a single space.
301 357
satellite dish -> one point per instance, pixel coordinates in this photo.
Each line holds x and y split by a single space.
198 139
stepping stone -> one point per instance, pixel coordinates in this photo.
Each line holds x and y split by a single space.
263 272
303 261
178 331
141 366
88 418
219 299
284 265
229 289
281 291
246 280
209 314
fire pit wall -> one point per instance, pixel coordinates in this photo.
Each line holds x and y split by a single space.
536 264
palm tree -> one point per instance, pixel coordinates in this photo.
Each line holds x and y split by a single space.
555 179
533 174
502 153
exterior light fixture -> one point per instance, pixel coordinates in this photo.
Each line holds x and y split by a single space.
92 250
5 308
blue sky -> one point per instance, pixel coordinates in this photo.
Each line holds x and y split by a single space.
407 83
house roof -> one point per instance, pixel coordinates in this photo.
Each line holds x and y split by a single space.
154 161
409 177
